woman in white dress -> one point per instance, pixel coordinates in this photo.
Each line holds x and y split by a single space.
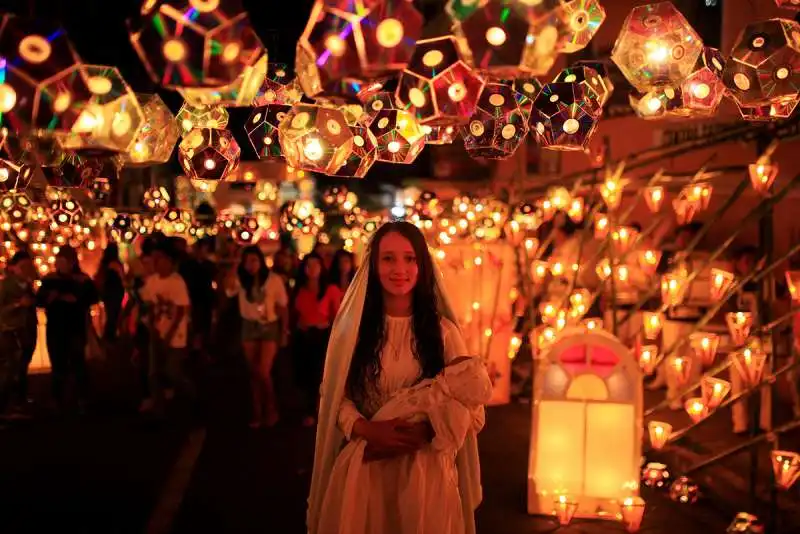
394 330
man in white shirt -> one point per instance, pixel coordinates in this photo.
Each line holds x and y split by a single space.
168 300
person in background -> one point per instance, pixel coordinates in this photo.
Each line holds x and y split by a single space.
111 288
263 306
343 269
200 275
284 264
315 304
167 298
17 310
67 296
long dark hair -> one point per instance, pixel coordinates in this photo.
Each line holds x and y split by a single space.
336 270
302 277
428 344
247 280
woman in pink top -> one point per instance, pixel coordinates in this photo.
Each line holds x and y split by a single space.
315 304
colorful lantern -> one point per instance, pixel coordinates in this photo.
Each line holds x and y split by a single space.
684 491
594 86
786 466
648 355
242 92
705 346
714 391
679 368
156 138
579 20
564 117
301 217
632 512
246 230
208 154
498 126
702 90
196 43
156 198
652 323
190 117
64 210
278 88
398 136
345 45
649 260
315 138
696 409
262 130
655 475
654 197
749 363
601 67
659 103
376 102
439 135
123 228
739 324
721 282
793 283
762 175
659 433
176 221
14 176
15 206
685 209
437 86
362 154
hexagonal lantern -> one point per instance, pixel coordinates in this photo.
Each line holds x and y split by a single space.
398 136
764 66
315 138
703 89
505 38
196 43
190 117
362 155
176 221
262 130
124 228
656 46
157 137
73 171
437 86
498 126
278 88
780 109
105 172
591 81
439 135
33 55
245 230
156 198
659 103
564 117
374 103
15 206
64 210
110 117
240 93
209 154
348 43
14 176
580 20
602 68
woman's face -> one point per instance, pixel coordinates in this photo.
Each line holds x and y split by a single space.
345 264
313 269
252 264
397 264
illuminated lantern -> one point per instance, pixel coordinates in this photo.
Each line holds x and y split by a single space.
362 154
623 238
196 43
209 154
721 282
594 86
600 226
177 221
437 86
769 112
278 88
793 283
786 466
685 209
527 89
16 206
762 175
564 509
13 176
498 126
696 409
673 288
579 21
659 434
191 117
649 260
654 197
111 116
655 475
124 228
73 172
592 324
745 523
656 47
157 136
315 138
539 271
702 90
376 102
339 198
632 512
648 355
749 363
714 391
698 193
41 77
652 323
679 368
301 217
242 92
262 130
64 210
156 198
246 230
105 180
439 135
658 103
576 210
343 46
684 491
705 346
601 67
398 136
764 66
564 117
739 324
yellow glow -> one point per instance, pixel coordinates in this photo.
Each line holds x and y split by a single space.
335 45
174 50
496 36
8 97
389 33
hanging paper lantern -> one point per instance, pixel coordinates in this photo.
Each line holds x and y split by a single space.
242 92
41 77
196 43
157 137
14 176
498 126
398 136
16 206
437 86
703 89
124 228
739 324
764 66
245 230
262 130
301 217
659 434
654 197
176 221
749 364
564 117
656 47
762 175
64 210
714 391
684 491
786 466
209 154
362 155
315 138
347 44
506 38
278 88
594 87
156 198
190 117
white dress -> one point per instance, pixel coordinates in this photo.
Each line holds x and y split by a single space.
378 510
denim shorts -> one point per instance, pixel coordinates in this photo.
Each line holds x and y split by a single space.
258 331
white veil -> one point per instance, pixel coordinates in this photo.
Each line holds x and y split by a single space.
337 365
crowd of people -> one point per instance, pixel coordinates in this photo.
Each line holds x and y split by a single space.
163 308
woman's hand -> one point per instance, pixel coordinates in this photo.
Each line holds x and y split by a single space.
386 439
